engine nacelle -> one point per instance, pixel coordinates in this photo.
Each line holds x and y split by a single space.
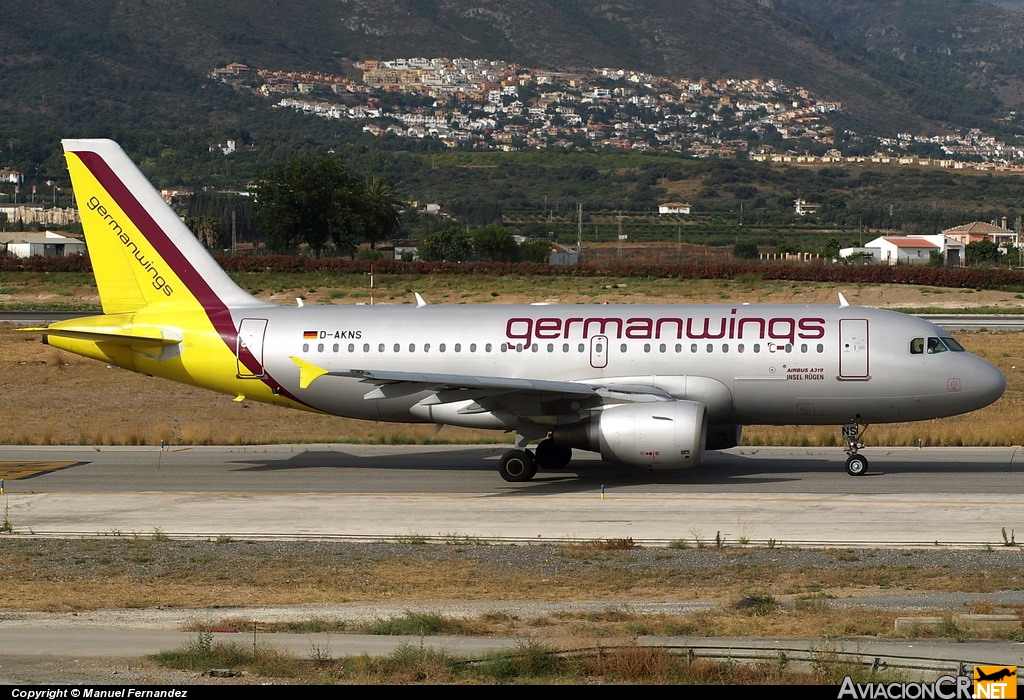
656 435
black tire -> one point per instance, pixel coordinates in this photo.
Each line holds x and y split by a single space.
856 465
552 456
517 466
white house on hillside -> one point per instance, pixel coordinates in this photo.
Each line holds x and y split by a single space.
674 208
908 250
801 207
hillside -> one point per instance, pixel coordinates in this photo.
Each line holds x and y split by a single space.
137 71
87 65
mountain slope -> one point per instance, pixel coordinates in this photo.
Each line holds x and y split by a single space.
90 66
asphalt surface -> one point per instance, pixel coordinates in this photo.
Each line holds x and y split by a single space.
910 497
934 498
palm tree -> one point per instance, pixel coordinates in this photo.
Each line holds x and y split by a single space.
206 229
382 212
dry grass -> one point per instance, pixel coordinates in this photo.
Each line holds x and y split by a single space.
68 576
37 291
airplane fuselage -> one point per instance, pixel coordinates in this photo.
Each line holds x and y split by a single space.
768 365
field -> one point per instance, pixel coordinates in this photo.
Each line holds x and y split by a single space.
52 397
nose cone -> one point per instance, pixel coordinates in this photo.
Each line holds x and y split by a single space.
989 383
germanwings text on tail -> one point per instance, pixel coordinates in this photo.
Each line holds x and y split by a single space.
645 386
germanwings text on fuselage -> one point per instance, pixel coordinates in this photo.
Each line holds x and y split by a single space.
667 328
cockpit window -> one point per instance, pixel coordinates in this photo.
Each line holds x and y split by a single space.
934 345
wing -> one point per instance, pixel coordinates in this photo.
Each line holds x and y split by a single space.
523 397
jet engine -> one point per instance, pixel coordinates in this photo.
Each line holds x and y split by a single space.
656 435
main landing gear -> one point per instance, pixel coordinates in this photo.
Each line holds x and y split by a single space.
521 465
856 465
517 465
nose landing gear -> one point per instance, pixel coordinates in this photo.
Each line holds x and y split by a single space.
856 465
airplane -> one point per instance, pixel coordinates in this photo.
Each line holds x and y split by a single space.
644 386
998 675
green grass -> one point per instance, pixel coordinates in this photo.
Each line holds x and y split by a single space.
418 624
531 662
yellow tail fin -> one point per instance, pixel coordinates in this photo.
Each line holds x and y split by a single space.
141 252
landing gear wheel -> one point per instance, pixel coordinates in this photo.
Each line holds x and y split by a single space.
856 465
551 455
517 466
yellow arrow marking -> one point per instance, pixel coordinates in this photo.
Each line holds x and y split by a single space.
23 470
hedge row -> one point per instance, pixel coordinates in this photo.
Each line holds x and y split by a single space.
965 277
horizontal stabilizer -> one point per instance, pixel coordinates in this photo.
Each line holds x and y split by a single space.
117 329
119 338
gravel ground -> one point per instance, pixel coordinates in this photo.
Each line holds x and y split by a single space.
76 559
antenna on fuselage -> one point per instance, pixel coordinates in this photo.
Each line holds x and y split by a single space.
842 301
419 300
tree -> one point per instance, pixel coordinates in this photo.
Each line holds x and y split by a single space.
451 244
537 251
982 253
831 249
496 244
312 200
206 229
745 251
382 216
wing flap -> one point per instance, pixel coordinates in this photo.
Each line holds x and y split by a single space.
520 396
437 382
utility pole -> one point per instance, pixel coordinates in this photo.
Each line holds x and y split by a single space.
579 232
619 254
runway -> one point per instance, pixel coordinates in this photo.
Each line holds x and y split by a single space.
775 496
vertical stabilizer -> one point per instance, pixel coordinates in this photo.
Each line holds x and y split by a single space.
142 254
